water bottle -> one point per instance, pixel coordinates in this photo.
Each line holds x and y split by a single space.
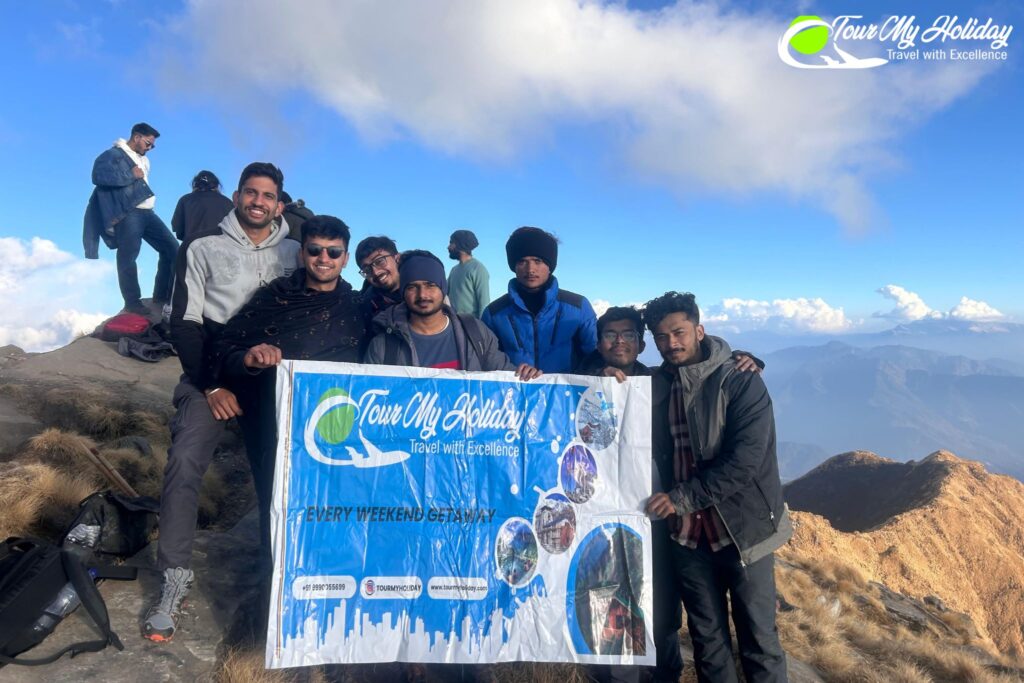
64 604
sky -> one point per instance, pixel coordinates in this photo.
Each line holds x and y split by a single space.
667 145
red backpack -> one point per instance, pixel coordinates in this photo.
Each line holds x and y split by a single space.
124 325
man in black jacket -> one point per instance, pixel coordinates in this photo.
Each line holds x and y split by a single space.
714 440
312 314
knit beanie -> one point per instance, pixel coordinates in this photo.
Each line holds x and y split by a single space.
528 241
464 240
421 265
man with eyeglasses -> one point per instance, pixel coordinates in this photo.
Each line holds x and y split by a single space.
120 212
216 275
377 258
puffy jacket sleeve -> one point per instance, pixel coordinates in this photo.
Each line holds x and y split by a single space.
749 427
586 333
110 170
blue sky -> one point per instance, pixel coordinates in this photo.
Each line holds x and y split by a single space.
665 144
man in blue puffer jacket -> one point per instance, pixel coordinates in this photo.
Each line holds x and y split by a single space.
536 322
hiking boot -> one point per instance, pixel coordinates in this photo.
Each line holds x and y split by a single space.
162 618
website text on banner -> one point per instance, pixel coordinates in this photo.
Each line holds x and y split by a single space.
439 516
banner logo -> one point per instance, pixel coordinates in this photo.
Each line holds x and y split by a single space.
810 42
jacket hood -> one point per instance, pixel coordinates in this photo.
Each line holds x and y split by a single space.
233 229
716 352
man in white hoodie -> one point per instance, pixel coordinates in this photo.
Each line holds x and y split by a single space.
121 211
216 275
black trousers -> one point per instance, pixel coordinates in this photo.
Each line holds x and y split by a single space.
709 583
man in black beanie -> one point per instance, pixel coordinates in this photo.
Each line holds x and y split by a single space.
537 322
422 331
469 283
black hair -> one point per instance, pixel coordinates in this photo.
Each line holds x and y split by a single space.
262 169
285 197
145 130
617 313
372 244
204 181
325 226
668 303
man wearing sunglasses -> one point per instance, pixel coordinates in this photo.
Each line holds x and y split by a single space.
312 314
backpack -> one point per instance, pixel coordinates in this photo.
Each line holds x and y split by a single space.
123 325
111 525
35 581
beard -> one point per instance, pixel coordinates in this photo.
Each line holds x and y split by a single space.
453 254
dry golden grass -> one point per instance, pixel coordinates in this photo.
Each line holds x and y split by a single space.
98 415
39 500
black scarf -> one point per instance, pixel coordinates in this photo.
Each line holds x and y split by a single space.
305 324
534 301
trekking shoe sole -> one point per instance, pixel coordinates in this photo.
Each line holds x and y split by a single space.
158 637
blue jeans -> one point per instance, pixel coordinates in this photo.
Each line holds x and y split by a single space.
139 225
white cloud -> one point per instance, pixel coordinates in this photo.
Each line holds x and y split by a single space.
693 94
600 306
779 315
969 309
909 305
42 292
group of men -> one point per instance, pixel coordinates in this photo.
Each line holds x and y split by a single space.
245 297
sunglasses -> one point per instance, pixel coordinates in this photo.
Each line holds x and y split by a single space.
333 252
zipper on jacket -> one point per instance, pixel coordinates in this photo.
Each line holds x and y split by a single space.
554 328
739 548
771 513
536 343
515 333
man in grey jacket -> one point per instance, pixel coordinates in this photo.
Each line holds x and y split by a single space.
424 332
714 440
216 275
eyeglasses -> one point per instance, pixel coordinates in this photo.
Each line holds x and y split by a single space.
629 336
315 249
376 264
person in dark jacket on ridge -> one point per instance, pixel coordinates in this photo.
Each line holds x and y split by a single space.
536 322
424 332
202 209
296 213
714 446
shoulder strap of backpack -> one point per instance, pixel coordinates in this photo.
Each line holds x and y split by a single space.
390 350
471 326
94 605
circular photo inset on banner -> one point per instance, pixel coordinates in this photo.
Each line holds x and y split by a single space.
555 522
578 473
607 582
595 419
515 552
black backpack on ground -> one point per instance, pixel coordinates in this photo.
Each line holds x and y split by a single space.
33 573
